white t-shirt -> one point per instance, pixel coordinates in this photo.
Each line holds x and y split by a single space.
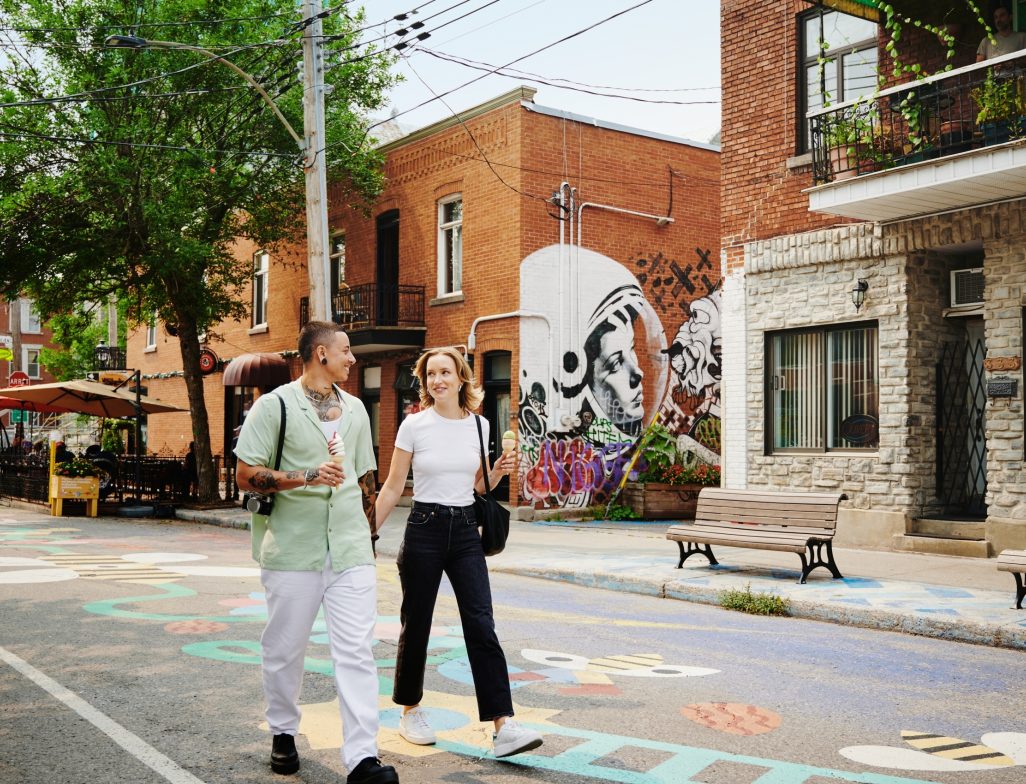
446 456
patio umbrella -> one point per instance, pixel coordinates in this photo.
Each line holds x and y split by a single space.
88 397
28 405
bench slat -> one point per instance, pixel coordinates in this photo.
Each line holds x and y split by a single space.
767 517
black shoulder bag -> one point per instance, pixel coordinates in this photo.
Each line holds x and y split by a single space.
258 503
491 515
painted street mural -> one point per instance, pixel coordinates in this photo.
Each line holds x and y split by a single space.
597 366
36 553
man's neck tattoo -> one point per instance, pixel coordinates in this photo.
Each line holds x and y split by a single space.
326 404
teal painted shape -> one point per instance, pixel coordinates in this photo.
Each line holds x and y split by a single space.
228 651
684 763
111 607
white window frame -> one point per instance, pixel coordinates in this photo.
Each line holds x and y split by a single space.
151 333
25 364
261 276
31 324
445 230
337 255
804 399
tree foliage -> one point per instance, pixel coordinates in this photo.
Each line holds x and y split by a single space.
139 184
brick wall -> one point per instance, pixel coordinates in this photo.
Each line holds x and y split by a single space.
504 221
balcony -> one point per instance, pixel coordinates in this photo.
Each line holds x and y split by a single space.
951 141
381 317
109 358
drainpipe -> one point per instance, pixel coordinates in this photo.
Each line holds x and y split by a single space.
472 337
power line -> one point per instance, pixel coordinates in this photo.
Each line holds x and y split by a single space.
472 138
500 71
511 62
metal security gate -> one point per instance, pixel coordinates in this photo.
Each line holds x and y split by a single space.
961 439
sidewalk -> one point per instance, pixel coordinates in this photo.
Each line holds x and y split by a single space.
964 599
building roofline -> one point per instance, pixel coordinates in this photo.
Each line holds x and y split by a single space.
525 96
611 126
522 94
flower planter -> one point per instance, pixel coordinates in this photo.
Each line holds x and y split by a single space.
75 488
658 501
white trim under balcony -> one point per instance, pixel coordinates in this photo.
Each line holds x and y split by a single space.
970 170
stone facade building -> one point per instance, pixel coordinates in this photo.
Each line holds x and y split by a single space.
880 353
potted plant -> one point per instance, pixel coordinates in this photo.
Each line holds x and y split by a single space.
667 483
1001 107
856 145
78 480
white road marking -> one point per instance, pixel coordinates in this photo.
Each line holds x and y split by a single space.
130 742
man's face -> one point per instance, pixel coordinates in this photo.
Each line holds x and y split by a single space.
1002 19
340 357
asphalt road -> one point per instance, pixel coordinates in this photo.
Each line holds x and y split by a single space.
129 653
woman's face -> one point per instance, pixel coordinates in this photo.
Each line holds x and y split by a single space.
443 382
616 377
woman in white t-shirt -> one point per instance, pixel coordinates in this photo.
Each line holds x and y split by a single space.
441 443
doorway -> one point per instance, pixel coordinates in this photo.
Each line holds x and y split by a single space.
497 379
961 424
387 299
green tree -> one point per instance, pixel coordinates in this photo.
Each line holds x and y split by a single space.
77 332
139 183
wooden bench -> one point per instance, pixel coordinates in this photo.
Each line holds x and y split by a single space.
763 520
1014 561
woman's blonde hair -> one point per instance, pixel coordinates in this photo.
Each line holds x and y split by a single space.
471 394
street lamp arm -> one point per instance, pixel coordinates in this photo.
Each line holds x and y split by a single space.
134 42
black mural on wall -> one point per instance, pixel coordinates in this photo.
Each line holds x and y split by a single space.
667 283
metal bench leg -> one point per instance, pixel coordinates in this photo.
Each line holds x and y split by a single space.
693 548
1020 590
815 560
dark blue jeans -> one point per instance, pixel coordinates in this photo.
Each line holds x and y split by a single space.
445 539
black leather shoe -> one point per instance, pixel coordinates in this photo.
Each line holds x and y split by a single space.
284 757
371 771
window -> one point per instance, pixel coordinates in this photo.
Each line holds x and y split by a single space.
450 245
370 394
823 389
849 61
338 262
151 332
30 318
260 264
30 360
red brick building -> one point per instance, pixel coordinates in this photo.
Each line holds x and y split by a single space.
873 233
22 331
533 239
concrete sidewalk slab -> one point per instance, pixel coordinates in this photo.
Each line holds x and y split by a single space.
947 597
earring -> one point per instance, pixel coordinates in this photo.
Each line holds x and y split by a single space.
324 360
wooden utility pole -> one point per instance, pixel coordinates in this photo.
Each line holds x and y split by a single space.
318 262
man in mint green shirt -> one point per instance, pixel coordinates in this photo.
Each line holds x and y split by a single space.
315 548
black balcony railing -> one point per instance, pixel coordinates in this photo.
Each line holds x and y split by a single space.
949 113
109 358
376 305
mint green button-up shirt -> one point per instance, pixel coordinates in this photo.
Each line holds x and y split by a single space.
309 523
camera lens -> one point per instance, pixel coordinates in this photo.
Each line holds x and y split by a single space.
253 503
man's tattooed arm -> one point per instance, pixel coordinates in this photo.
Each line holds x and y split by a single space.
264 480
369 487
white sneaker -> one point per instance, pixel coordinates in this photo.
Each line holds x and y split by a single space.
513 739
414 728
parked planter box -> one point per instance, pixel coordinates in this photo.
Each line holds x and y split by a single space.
77 488
657 501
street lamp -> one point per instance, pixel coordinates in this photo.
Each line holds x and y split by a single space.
318 262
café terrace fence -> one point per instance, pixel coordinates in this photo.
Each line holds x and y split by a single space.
161 479
949 113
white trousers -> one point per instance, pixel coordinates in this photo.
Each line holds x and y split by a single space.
349 600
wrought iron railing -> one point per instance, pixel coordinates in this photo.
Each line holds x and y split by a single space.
109 358
945 114
377 305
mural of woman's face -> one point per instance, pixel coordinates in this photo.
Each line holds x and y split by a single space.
616 376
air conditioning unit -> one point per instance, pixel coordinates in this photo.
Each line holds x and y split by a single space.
967 287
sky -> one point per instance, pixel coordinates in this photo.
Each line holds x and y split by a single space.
662 50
